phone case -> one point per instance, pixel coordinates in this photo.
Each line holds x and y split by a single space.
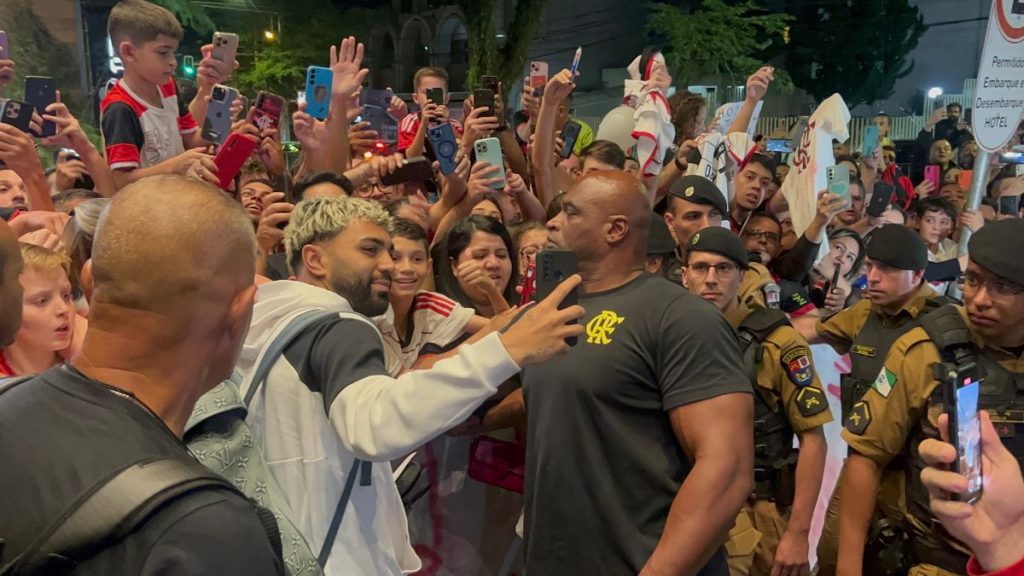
484 98
218 120
5 48
839 181
489 150
225 46
381 122
870 143
880 199
444 145
538 74
318 91
436 95
932 174
489 83
960 392
40 92
375 97
267 112
570 133
17 114
554 266
231 156
416 169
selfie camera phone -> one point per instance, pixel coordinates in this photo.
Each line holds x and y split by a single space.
554 266
231 156
570 134
880 199
839 182
17 114
266 114
489 150
443 143
412 170
40 92
961 388
538 78
436 95
870 143
225 47
489 82
318 91
375 97
779 145
484 98
217 124
931 174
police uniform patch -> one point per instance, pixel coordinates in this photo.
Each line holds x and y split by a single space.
797 362
810 401
859 418
885 382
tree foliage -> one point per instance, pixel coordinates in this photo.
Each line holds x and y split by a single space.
506 61
190 14
728 41
858 48
36 52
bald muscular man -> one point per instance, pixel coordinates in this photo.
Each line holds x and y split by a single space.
640 443
171 296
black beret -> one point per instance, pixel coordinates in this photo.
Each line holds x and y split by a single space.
897 246
700 190
659 239
720 241
995 246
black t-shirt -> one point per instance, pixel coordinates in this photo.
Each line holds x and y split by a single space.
63 434
603 463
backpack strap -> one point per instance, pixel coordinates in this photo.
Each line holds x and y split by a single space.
949 332
112 510
276 347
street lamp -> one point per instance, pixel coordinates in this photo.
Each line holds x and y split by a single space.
269 35
934 92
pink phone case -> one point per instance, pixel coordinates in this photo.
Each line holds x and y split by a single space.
931 174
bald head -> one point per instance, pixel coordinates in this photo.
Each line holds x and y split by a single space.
171 245
10 286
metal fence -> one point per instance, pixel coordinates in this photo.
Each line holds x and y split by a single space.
900 127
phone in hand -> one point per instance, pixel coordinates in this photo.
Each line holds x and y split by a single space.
17 114
375 97
436 95
489 150
839 182
231 156
1009 205
266 113
870 141
961 388
932 174
553 267
319 81
225 48
40 92
570 134
217 123
488 82
484 98
880 199
5 47
445 146
528 285
780 145
538 78
416 169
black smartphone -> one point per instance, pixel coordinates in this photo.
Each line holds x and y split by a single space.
416 169
489 82
1009 205
880 199
375 97
961 388
436 95
484 98
570 133
554 266
40 92
17 114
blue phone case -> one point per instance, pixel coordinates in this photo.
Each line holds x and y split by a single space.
445 146
839 182
870 143
318 91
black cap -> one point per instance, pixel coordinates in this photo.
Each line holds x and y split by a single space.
897 246
995 246
700 190
720 241
659 239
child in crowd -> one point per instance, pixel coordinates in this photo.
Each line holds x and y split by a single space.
413 130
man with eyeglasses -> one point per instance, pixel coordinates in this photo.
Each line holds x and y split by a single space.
771 533
902 406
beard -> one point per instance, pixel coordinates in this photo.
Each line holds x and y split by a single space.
360 293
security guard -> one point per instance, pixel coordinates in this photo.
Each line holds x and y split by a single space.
905 400
772 528
694 203
896 296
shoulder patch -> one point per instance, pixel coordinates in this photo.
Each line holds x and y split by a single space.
858 419
798 365
811 401
885 382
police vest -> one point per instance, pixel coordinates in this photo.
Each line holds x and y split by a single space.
1001 394
773 436
868 351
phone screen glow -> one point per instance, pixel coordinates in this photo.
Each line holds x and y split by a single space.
969 436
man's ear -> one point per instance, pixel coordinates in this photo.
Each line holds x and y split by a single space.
85 278
618 229
314 262
683 278
240 314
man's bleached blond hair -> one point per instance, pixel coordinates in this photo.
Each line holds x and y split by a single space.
321 219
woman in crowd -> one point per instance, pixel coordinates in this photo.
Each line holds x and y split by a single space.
482 267
78 237
846 251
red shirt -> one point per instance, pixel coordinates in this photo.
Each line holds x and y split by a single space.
410 125
974 569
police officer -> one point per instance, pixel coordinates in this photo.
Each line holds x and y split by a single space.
896 296
904 402
772 528
694 203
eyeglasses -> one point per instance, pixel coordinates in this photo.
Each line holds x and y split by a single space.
761 234
997 288
723 270
366 190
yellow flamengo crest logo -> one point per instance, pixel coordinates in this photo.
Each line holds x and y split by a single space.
601 327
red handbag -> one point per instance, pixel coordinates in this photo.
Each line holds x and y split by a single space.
497 463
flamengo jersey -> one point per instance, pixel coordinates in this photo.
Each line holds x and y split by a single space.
137 135
436 319
410 125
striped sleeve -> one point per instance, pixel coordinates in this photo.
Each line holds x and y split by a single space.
122 136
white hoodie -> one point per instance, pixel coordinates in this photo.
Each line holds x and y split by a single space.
310 442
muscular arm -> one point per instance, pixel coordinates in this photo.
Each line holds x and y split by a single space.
858 486
717 437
